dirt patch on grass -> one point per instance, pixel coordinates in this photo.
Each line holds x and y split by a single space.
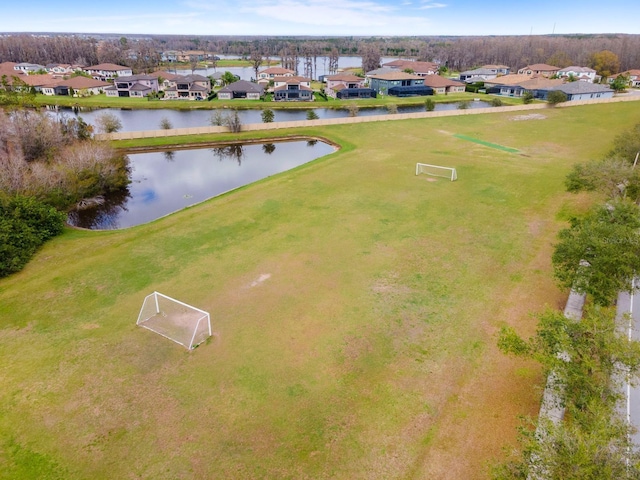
531 116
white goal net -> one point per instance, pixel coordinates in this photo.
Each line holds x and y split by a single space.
189 326
436 171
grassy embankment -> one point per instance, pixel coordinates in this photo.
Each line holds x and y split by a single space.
354 305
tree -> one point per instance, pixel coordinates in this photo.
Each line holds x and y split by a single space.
165 124
600 253
233 122
527 97
108 123
496 102
370 57
620 83
267 115
268 148
586 358
353 109
392 108
312 115
555 97
256 61
559 59
612 177
464 105
627 144
605 63
228 78
216 119
429 105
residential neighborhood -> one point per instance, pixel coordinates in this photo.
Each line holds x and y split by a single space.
399 78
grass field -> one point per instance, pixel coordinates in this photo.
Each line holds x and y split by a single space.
354 307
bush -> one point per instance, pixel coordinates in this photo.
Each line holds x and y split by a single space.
429 105
392 108
463 105
496 102
555 97
527 98
165 124
25 224
311 115
353 109
267 115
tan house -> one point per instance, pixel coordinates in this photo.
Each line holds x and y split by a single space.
188 87
336 83
292 88
76 87
268 74
634 77
443 86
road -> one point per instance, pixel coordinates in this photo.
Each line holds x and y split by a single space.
630 303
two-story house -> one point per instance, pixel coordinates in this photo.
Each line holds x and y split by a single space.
187 87
582 74
108 71
133 86
541 69
421 69
399 84
269 74
346 85
292 88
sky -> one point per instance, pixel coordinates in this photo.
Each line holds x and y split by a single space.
323 17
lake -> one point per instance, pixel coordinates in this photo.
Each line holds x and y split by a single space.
168 181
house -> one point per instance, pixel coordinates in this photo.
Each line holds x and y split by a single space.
486 72
268 74
188 87
292 88
498 69
76 86
579 91
133 86
61 69
441 85
108 71
582 74
633 75
342 81
403 84
539 69
29 67
241 89
165 79
518 85
37 81
421 69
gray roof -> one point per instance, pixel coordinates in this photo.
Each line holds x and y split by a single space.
243 86
479 71
379 71
577 88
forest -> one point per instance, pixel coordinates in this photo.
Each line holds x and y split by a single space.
143 52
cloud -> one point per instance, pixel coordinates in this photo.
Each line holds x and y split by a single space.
429 5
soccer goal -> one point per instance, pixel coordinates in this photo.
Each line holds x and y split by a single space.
189 326
436 171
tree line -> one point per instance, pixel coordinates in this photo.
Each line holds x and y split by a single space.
456 53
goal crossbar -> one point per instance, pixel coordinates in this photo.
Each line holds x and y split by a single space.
436 171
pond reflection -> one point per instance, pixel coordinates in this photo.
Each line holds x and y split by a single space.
166 181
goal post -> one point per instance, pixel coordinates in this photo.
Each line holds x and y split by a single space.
436 171
180 322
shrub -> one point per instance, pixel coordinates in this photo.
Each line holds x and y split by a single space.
312 115
496 102
463 105
165 124
25 224
555 97
108 123
429 105
527 98
267 115
392 108
353 109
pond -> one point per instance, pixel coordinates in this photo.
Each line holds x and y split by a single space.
168 181
133 120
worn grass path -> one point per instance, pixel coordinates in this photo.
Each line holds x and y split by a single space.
354 306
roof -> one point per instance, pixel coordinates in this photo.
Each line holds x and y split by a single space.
541 67
139 87
135 78
292 79
479 71
276 71
78 83
495 67
436 81
577 88
242 86
110 67
413 65
381 70
344 77
511 79
194 77
164 74
397 76
573 68
541 83
40 80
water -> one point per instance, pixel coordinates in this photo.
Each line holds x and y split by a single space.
165 182
134 120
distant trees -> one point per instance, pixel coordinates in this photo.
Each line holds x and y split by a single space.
370 57
256 61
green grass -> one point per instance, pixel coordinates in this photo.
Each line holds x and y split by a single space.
384 292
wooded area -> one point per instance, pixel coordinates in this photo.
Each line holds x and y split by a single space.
457 53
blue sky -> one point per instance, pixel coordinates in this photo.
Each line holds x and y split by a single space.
323 17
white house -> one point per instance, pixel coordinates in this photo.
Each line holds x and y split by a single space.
583 74
108 71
